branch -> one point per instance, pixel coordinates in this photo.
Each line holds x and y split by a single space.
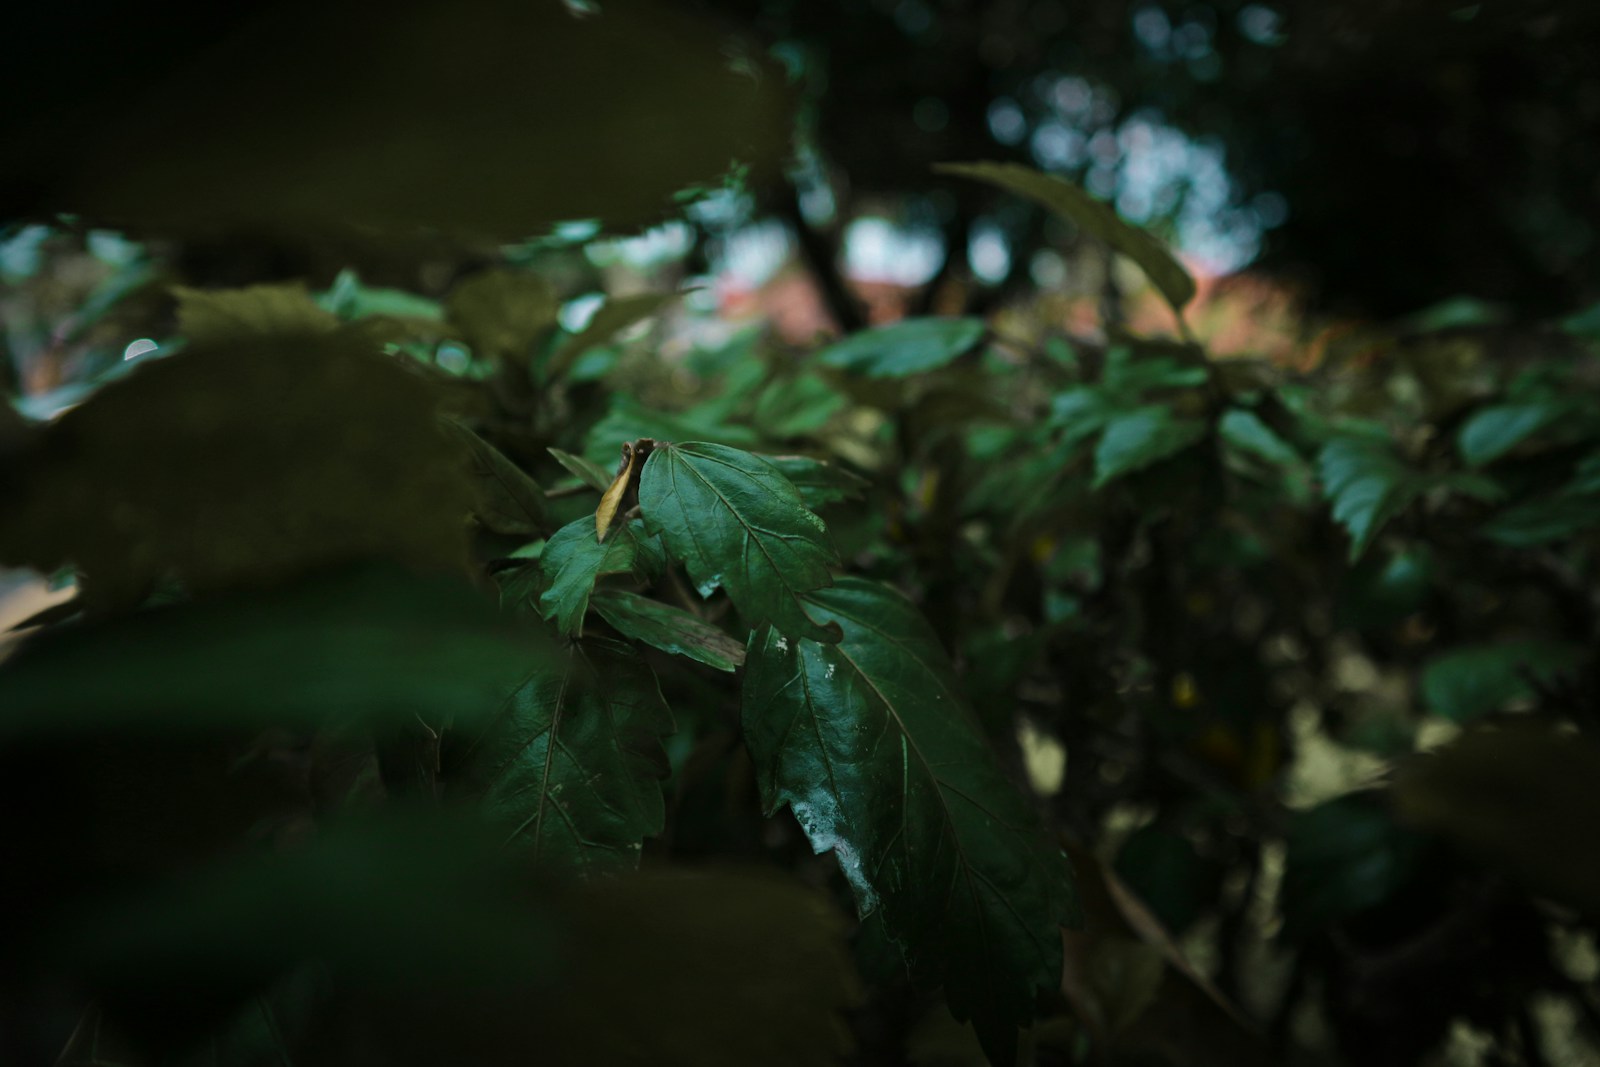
821 255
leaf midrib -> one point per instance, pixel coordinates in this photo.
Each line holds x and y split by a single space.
967 867
751 532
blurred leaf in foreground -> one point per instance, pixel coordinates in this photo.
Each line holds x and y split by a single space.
1522 798
437 953
492 118
239 466
357 646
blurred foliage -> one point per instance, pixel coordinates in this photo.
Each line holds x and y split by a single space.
1401 119
1139 704
423 117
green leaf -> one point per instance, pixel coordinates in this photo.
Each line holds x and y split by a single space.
1493 431
735 521
1130 373
591 474
573 560
1081 412
796 406
870 743
1472 681
349 299
668 628
609 319
1342 858
1545 519
1381 592
363 147
900 349
236 465
358 646
251 313
17 433
1585 323
820 483
1245 431
505 499
1367 484
1480 487
570 770
502 313
1093 217
1134 441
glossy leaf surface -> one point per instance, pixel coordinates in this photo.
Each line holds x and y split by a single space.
668 628
570 767
872 746
573 561
736 522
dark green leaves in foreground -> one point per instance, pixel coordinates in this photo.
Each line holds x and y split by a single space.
736 522
440 953
870 743
355 647
570 769
1468 683
223 142
668 628
903 348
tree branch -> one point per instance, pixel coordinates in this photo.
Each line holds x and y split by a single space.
821 256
